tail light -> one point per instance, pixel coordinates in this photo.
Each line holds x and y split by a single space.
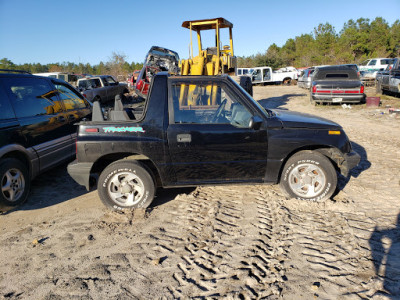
314 89
362 89
84 95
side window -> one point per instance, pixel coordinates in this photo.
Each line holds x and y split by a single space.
62 77
6 111
110 80
105 82
257 75
96 83
207 104
266 74
372 62
32 97
70 98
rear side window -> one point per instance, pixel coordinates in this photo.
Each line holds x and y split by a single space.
372 62
6 111
386 61
32 97
70 98
90 83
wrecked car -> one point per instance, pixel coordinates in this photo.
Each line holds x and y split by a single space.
156 60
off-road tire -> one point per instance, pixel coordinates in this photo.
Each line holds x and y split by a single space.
287 81
115 179
245 83
13 172
320 174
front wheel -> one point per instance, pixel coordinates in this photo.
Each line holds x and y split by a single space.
14 182
308 175
126 184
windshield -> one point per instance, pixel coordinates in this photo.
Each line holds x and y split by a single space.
365 62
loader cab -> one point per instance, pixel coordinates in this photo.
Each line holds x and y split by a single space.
214 59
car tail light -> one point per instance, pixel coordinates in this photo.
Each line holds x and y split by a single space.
314 89
84 95
362 89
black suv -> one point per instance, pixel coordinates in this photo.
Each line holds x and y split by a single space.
36 129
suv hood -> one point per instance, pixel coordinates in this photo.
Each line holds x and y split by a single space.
292 119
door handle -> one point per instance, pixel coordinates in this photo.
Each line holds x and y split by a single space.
184 138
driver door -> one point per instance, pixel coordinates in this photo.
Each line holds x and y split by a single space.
209 136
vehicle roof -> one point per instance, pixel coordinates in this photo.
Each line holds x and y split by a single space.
207 24
321 72
93 77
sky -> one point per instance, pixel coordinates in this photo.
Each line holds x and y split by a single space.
89 31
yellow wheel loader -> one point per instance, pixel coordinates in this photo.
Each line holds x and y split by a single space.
214 60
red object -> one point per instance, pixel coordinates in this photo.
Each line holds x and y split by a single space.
314 89
362 89
373 101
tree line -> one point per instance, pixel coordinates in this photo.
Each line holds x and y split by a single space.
116 65
357 41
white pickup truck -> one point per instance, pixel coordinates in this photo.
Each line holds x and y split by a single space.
101 88
266 75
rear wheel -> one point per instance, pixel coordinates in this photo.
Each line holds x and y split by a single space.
287 81
126 184
308 175
14 182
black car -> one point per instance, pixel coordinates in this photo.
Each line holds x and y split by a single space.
336 84
199 130
36 129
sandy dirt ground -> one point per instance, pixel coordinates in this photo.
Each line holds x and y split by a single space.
230 242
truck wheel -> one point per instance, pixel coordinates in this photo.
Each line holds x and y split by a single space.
286 81
308 175
15 182
126 184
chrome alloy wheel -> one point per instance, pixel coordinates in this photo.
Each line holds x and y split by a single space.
125 188
12 185
307 180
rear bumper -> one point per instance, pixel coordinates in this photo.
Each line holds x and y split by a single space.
80 172
345 98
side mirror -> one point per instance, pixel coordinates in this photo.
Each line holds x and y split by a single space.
255 122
